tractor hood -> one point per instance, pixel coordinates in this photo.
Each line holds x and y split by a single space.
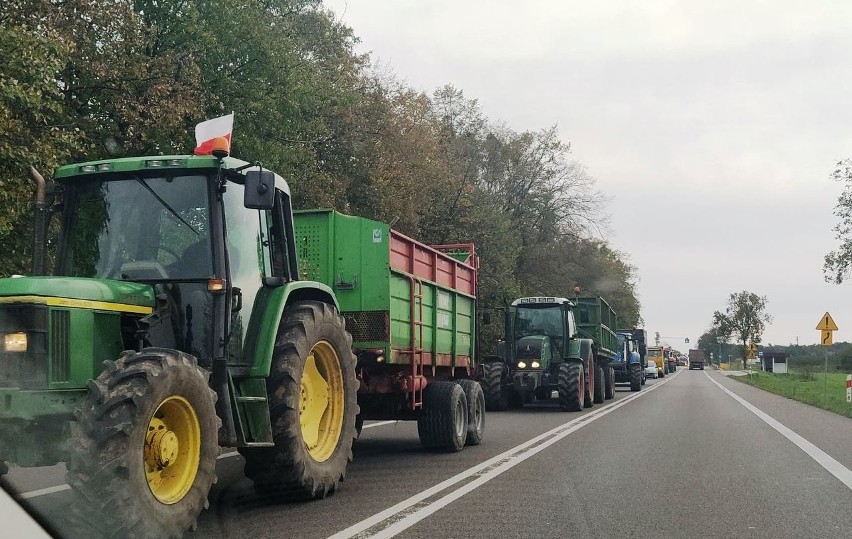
531 347
80 292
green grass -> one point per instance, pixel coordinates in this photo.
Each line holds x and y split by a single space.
806 387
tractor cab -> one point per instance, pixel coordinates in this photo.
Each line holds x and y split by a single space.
540 330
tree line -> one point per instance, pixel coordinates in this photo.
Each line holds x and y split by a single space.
87 79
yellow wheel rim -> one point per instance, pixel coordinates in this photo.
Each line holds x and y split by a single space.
322 401
172 449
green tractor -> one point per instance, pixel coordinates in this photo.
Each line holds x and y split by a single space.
173 324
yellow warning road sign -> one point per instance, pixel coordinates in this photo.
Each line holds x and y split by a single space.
826 338
826 323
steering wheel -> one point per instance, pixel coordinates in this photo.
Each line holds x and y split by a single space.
143 269
168 250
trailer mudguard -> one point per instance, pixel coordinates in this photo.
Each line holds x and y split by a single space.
266 314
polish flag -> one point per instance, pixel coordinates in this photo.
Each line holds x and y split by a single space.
208 130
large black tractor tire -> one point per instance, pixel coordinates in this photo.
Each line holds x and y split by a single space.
496 399
443 422
571 386
601 381
313 406
610 383
144 447
635 377
475 411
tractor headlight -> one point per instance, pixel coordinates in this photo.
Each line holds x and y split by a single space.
15 342
522 365
535 365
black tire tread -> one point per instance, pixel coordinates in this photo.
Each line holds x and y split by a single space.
492 387
475 400
567 385
111 496
435 424
286 471
635 377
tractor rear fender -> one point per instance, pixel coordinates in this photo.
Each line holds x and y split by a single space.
266 315
580 349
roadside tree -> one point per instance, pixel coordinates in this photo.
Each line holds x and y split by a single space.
744 319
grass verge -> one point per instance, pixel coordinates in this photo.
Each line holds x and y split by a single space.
804 386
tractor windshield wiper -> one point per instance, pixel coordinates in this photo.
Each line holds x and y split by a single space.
166 205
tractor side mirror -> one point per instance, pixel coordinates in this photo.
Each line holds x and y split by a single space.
259 190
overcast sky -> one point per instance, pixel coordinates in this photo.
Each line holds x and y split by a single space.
712 127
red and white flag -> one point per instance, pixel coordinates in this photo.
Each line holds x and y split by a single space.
208 130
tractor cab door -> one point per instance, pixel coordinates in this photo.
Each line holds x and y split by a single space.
256 243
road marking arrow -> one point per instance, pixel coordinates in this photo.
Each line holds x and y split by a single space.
826 323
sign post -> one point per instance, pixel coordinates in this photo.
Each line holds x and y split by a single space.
826 327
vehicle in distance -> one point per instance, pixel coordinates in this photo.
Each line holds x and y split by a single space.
696 359
651 369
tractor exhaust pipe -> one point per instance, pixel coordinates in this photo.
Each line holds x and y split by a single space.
40 223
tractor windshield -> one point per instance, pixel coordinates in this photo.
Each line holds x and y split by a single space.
534 320
135 228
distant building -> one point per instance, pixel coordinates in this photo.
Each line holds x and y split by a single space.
775 361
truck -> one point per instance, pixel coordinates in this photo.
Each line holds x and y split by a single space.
551 344
174 323
411 310
696 359
628 365
659 354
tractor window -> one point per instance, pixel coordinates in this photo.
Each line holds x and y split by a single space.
142 229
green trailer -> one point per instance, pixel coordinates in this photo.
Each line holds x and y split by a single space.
411 310
597 321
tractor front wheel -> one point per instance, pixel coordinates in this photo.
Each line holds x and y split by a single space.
571 386
496 399
312 405
144 448
635 377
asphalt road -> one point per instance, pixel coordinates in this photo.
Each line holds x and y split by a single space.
682 458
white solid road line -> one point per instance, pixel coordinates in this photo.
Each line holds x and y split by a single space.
822 458
229 454
405 514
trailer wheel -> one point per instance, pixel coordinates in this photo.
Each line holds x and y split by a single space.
601 381
635 377
443 422
588 400
492 386
475 411
312 404
144 447
644 376
610 383
571 386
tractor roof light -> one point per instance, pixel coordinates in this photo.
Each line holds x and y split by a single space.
522 365
221 147
535 364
